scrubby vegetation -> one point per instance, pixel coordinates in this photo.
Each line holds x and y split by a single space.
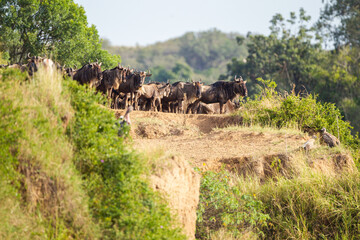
223 205
120 198
299 198
311 204
270 108
42 194
65 173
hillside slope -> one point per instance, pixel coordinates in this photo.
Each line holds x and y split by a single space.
263 156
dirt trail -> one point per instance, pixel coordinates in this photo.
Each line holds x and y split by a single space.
207 141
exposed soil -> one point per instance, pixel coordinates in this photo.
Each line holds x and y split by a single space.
211 141
204 140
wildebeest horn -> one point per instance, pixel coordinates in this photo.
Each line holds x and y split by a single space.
28 55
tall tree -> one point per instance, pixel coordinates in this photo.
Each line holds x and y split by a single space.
57 28
340 22
285 55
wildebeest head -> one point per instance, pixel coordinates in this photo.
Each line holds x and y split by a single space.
116 78
122 73
198 86
240 86
33 63
167 89
69 72
96 73
139 79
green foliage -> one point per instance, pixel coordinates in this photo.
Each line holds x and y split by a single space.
225 206
204 50
36 200
160 74
183 71
339 22
296 57
312 207
284 55
120 200
58 29
271 109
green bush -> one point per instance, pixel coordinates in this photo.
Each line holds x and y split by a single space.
120 199
222 205
41 194
269 108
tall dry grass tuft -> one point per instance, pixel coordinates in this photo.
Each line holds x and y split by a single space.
48 188
315 199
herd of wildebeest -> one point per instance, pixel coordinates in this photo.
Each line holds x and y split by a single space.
124 86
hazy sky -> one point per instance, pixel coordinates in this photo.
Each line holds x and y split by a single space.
144 22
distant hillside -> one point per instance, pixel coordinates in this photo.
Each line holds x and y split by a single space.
192 56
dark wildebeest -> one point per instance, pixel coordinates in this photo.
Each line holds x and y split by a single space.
183 94
152 92
35 62
111 80
89 74
134 81
70 72
222 91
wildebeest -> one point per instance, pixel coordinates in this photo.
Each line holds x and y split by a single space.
35 62
134 81
183 94
153 93
222 91
111 80
89 74
70 72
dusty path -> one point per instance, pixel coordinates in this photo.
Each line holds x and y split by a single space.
207 141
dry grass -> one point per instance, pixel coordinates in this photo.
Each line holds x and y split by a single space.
51 191
223 234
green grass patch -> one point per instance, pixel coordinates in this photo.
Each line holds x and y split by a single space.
120 198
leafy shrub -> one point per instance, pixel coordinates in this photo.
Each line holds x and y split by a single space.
304 112
120 199
224 206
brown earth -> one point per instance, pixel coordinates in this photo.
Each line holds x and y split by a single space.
212 141
208 141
